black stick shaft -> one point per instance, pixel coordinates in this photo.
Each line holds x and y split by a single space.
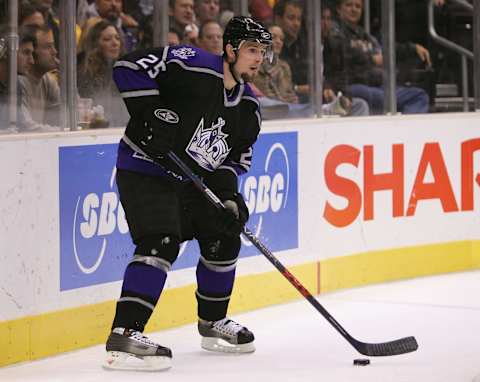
401 346
264 250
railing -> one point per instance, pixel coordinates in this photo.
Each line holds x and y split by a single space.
465 53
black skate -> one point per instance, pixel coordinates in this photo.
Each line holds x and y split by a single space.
225 336
131 350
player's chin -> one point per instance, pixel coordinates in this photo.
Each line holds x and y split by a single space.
250 76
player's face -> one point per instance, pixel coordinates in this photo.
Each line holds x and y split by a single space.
249 60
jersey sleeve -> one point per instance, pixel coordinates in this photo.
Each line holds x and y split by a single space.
142 80
138 77
151 76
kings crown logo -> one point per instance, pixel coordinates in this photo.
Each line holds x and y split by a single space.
184 53
208 146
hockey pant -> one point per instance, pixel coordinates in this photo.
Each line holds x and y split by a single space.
160 214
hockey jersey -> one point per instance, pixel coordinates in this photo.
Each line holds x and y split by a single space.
178 93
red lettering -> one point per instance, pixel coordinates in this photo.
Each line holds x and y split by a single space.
342 186
440 188
387 181
468 150
432 161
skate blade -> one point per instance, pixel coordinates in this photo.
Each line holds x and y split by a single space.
125 361
219 345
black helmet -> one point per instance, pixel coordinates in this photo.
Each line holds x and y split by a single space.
242 28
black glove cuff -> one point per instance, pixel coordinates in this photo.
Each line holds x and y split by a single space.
243 213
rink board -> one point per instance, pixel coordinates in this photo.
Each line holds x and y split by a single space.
342 202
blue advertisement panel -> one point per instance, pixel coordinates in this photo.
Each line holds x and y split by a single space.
95 244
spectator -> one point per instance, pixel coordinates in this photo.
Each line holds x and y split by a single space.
206 10
102 47
274 88
146 34
46 7
112 11
333 88
261 10
190 35
225 17
210 37
26 48
40 89
25 62
30 15
82 11
288 15
274 79
142 12
273 85
173 38
139 9
359 63
181 14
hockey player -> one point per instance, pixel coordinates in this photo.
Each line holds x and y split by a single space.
198 105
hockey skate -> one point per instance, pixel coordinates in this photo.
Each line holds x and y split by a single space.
131 350
225 336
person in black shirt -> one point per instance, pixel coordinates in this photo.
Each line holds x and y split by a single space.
200 106
355 58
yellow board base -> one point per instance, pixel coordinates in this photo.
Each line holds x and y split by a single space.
56 332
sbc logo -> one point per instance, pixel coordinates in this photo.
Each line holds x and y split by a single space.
270 191
97 216
95 244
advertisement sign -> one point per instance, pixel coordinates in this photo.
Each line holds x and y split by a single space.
95 245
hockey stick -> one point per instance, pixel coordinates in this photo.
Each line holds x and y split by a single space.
400 346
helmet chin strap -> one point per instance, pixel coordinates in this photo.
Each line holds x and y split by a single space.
232 64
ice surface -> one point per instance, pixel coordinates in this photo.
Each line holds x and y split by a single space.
295 343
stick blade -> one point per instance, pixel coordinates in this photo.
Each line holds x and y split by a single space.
401 346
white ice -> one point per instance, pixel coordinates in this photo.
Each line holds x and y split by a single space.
295 343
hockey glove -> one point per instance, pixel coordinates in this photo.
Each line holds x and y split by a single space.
157 143
234 216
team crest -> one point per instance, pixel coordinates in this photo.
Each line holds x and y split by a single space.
184 53
208 146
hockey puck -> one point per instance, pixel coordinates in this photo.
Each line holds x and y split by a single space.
361 362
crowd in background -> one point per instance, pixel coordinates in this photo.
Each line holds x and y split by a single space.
353 59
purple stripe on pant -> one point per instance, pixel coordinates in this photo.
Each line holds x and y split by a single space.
215 284
144 280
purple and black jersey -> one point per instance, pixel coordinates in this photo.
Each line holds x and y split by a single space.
177 94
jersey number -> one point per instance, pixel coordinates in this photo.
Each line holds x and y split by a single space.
153 64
